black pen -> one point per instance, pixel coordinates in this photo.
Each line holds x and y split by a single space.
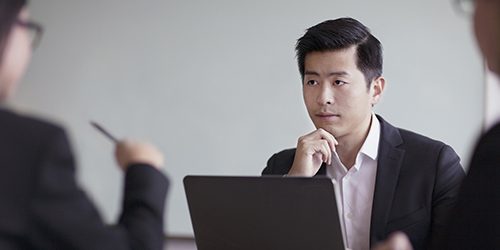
104 131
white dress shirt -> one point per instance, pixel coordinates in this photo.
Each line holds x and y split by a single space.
356 187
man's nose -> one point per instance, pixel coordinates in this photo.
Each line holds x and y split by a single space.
326 94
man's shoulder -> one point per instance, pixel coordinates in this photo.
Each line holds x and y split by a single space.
417 138
407 137
418 148
23 123
27 133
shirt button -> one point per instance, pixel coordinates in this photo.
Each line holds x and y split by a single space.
349 216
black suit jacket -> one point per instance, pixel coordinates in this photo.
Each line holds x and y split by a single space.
416 184
475 223
41 206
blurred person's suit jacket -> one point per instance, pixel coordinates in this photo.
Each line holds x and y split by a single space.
42 207
417 183
475 223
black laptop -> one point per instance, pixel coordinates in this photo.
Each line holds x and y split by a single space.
265 213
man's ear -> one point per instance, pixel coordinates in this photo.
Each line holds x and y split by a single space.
376 89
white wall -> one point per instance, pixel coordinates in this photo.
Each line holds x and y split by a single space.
215 83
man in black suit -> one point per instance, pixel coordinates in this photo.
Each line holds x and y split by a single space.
390 179
41 205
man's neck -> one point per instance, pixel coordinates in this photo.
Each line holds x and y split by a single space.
350 145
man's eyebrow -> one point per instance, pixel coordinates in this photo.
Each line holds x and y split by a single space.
335 73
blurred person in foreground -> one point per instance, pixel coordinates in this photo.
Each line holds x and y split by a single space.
475 221
42 207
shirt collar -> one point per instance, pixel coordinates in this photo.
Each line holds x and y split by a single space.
370 146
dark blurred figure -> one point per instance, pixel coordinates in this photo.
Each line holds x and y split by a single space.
41 205
475 222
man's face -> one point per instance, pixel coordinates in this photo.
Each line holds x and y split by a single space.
16 56
487 29
336 94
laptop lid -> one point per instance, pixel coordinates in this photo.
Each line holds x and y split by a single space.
263 213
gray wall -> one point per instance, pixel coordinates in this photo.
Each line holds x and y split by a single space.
215 83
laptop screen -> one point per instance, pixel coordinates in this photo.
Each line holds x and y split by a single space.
263 212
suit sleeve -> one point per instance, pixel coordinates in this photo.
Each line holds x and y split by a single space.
270 166
63 217
280 163
449 177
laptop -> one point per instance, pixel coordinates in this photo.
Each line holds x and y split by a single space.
265 213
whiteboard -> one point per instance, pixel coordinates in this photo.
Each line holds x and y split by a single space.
215 83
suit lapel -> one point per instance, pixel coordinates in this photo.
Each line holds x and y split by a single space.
390 158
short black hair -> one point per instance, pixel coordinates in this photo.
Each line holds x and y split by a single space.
9 11
340 34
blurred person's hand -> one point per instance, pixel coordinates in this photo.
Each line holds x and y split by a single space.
128 152
396 241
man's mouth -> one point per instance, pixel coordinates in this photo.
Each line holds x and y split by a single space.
327 115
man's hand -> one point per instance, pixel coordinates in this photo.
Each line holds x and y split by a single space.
128 152
312 150
396 241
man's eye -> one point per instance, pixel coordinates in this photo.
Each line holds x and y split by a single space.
339 82
312 82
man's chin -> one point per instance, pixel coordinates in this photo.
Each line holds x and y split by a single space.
330 129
